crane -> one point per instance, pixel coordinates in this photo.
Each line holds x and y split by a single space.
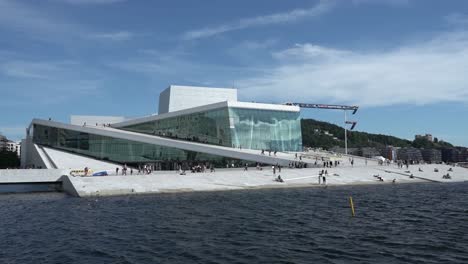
345 108
353 108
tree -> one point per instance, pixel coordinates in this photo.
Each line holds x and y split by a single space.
9 159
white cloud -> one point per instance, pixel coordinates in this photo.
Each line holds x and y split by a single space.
19 17
49 82
309 51
114 36
36 70
39 24
257 45
387 2
322 7
432 71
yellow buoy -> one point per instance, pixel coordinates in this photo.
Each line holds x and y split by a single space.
352 205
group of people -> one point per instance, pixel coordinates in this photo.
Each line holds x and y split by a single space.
383 162
379 178
104 125
447 176
329 164
402 163
125 169
198 168
276 167
145 169
297 165
295 156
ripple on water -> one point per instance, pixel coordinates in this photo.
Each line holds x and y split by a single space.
408 223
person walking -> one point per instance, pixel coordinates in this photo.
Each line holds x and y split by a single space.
124 169
117 171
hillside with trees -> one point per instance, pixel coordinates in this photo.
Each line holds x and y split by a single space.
326 135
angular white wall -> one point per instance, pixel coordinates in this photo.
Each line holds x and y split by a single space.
178 97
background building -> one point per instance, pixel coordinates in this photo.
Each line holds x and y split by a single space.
428 137
14 147
410 154
389 152
8 145
368 152
432 155
455 155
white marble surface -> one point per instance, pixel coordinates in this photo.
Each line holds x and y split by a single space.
31 175
70 161
237 178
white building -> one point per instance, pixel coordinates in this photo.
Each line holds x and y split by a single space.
14 147
177 97
195 125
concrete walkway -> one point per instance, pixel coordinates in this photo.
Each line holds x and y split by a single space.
238 179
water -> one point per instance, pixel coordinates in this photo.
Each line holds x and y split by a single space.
29 187
403 223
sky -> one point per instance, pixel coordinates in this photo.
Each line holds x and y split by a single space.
403 62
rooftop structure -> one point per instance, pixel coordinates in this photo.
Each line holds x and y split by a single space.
177 97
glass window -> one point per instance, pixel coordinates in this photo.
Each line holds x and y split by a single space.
266 129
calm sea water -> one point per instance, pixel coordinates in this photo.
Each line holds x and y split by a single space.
403 223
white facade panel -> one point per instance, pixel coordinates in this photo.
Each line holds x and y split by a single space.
177 97
164 99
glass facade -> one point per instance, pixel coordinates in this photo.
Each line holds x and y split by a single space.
232 127
227 126
118 150
211 127
265 129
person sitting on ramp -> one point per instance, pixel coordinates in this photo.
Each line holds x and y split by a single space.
279 179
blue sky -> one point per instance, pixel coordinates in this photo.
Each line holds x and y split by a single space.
404 62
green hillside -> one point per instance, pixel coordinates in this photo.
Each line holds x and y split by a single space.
314 134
